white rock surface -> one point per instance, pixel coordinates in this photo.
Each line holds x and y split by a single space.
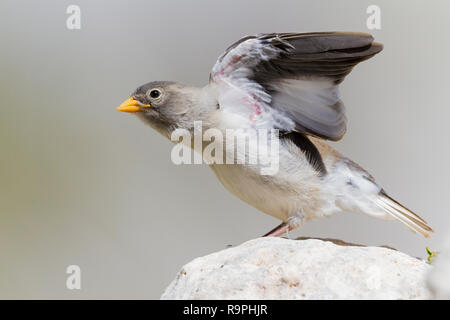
276 268
439 277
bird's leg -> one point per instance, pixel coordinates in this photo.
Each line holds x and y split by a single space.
278 231
293 223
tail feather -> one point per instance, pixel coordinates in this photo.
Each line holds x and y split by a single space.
403 214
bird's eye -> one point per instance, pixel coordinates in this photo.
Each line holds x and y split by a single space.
155 93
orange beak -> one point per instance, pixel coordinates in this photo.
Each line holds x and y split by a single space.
131 105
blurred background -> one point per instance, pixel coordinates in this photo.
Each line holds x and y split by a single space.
81 183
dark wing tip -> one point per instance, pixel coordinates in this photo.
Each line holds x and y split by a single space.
377 47
316 42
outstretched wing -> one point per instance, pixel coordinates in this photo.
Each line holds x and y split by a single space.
290 81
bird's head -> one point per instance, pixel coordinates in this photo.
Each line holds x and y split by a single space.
163 105
149 97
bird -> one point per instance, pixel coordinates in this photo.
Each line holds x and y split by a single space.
288 82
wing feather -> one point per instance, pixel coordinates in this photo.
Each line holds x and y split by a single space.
290 80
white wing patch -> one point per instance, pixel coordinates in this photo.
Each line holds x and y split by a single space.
312 98
314 103
245 103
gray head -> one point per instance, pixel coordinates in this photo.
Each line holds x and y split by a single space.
164 105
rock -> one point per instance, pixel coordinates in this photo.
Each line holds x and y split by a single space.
439 277
276 268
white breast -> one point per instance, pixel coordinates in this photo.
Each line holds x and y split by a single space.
294 190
